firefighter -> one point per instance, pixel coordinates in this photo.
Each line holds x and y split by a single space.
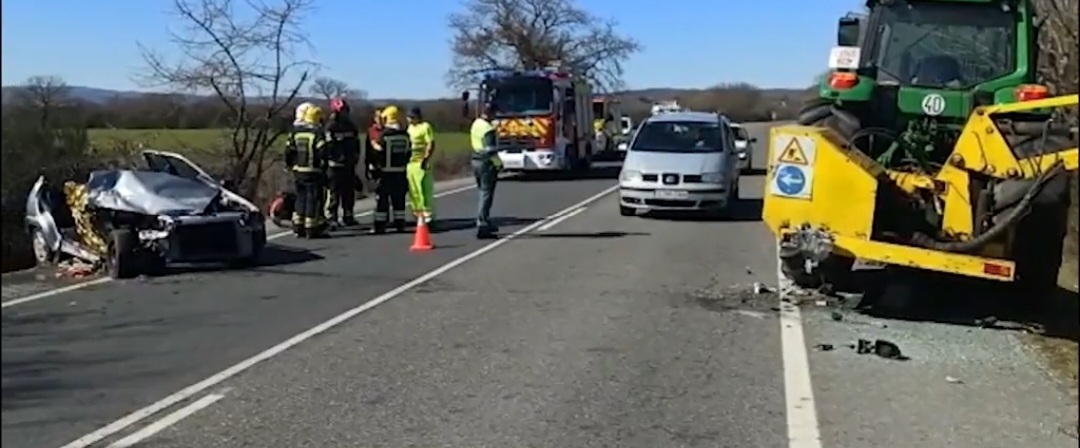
305 156
387 158
486 165
421 181
342 156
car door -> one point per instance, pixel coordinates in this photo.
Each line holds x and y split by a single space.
178 165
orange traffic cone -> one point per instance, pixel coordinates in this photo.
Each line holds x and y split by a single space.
422 237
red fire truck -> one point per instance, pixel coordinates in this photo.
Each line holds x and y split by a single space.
543 119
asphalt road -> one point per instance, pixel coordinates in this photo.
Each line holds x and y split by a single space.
586 330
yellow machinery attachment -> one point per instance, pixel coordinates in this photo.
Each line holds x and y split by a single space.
826 200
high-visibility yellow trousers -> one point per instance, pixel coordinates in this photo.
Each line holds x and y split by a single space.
421 190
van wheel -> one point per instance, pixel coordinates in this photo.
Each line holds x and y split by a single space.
43 255
123 254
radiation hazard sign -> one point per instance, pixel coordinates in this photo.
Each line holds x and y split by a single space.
794 150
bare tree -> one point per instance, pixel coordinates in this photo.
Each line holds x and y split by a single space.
244 53
534 34
43 95
327 88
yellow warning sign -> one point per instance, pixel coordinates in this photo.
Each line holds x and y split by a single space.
793 153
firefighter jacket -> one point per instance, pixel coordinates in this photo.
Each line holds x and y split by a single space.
394 153
305 149
343 143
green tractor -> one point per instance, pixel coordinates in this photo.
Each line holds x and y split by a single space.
906 75
913 70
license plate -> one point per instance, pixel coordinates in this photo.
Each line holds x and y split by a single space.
513 163
672 194
867 265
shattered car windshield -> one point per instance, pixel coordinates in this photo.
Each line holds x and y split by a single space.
955 45
679 136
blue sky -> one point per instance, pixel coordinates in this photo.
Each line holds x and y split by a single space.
687 43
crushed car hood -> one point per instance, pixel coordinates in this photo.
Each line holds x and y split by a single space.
149 192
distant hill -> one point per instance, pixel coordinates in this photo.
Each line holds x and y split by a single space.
97 95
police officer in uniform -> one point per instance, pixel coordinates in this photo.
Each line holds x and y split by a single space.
387 159
486 165
305 156
342 156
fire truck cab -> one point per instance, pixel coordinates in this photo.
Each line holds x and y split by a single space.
543 119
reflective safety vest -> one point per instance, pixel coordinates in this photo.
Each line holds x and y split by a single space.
306 150
396 151
477 135
420 134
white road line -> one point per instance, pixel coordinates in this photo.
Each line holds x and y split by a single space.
802 423
54 292
78 286
197 388
560 219
167 421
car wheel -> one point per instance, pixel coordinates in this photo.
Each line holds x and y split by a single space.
122 261
627 211
43 255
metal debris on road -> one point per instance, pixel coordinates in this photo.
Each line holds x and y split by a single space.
760 288
836 316
824 347
881 348
953 380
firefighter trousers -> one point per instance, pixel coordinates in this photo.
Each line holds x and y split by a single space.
341 193
308 217
421 190
391 188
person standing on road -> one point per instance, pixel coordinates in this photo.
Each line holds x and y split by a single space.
486 165
342 156
387 158
374 130
305 156
421 180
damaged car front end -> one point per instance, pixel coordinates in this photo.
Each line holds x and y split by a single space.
134 222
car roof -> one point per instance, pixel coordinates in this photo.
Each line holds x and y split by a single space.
701 117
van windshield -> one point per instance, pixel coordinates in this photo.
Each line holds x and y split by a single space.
679 136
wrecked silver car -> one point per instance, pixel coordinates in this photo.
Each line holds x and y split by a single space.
134 222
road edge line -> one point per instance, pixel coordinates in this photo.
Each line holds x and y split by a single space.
213 380
803 429
165 422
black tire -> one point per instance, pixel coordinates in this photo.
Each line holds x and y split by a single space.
627 211
123 258
1008 193
835 270
1037 249
815 111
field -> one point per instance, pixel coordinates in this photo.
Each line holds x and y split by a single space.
210 141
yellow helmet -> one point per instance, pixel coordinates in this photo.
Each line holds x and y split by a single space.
391 114
308 113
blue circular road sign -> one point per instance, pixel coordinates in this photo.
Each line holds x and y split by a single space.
790 180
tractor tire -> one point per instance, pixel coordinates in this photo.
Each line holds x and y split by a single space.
815 111
1010 192
1038 245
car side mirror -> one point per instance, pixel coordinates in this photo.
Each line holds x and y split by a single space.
753 139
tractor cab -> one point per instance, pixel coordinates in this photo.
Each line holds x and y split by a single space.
919 67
